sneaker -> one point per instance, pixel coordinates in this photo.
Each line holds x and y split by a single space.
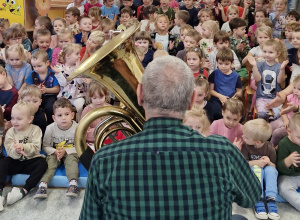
260 210
41 193
272 211
72 191
14 195
2 203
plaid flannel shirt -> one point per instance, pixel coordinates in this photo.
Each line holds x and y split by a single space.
168 171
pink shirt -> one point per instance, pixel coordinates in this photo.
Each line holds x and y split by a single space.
218 127
293 99
55 54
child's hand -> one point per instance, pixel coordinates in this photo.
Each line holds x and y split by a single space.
290 107
154 44
55 69
19 148
250 31
252 61
220 6
283 65
238 143
261 163
3 108
43 89
176 9
84 37
61 152
241 46
223 99
266 159
293 159
171 45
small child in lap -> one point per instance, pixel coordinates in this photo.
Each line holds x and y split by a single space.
23 146
58 144
261 156
288 163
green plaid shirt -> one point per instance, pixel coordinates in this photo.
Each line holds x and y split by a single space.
168 171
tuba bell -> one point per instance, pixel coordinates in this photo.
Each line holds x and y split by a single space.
118 68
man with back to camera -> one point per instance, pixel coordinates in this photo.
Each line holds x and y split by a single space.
168 171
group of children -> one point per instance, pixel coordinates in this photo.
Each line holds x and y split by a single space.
225 44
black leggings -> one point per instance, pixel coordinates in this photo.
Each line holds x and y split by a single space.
35 167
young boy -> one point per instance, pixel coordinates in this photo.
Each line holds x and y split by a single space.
183 31
221 40
224 82
107 25
85 24
261 155
42 39
239 44
23 146
189 7
181 18
58 144
291 16
33 95
191 39
9 94
43 77
126 15
129 3
72 15
167 10
288 163
111 10
41 22
289 29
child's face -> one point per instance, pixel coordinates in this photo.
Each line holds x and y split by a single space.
222 44
125 17
143 44
20 119
43 42
288 33
147 2
63 117
240 32
188 3
231 15
92 43
206 33
34 100
109 3
230 120
208 2
39 66
224 66
269 53
280 6
189 42
97 100
64 40
105 30
73 58
193 61
38 26
204 17
194 123
289 19
247 139
296 39
259 16
262 37
296 88
14 59
71 19
258 4
201 93
294 135
86 24
5 27
164 2
182 34
162 24
127 3
234 2
58 25
15 40
225 3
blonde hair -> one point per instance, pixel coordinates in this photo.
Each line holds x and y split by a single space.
258 129
131 22
293 25
231 8
205 10
95 12
31 90
294 121
197 112
15 48
12 32
99 37
265 30
212 25
68 49
193 34
283 1
161 16
65 32
266 22
94 87
106 22
279 47
296 80
234 105
201 81
25 105
185 27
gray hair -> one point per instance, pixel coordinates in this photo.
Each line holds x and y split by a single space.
168 85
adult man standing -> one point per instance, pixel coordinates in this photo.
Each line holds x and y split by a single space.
168 171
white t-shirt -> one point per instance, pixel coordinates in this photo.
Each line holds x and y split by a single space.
226 27
162 42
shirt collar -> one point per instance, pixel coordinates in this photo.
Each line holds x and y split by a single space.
161 122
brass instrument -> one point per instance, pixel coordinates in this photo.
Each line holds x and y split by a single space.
118 68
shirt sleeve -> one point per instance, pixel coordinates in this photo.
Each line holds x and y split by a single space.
238 83
213 128
28 71
116 10
47 142
29 79
55 81
211 78
282 153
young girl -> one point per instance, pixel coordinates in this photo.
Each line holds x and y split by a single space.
107 25
278 17
64 36
27 44
269 75
17 68
142 40
194 59
150 14
58 25
210 28
229 125
232 12
95 14
196 119
162 40
279 127
259 14
94 42
204 14
73 90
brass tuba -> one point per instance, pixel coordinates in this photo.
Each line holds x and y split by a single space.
118 68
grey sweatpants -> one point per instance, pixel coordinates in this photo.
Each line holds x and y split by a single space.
287 186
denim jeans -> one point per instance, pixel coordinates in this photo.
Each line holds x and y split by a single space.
268 178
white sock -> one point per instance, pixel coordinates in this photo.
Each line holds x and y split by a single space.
73 182
1 203
43 184
14 195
